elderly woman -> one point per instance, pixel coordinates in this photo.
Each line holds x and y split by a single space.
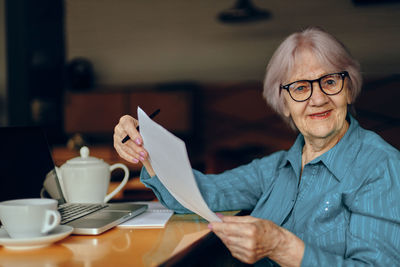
332 199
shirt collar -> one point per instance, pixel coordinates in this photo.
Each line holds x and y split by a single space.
338 159
293 155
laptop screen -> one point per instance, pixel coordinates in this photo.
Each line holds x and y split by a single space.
25 160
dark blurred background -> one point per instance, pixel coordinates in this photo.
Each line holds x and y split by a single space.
75 66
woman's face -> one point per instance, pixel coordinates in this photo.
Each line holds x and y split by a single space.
321 116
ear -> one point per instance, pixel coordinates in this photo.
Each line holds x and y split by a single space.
349 89
348 97
285 108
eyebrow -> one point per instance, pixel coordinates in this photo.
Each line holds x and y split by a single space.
322 75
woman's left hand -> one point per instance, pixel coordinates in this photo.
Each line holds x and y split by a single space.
250 239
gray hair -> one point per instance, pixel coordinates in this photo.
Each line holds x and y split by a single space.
330 52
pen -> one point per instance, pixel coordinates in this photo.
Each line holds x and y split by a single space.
152 115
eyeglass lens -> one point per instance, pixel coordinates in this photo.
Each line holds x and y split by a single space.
330 84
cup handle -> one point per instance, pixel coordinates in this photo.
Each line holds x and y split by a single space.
53 218
122 184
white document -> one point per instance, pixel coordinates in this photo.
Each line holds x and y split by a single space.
169 159
156 216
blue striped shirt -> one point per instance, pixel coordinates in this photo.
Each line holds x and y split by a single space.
345 207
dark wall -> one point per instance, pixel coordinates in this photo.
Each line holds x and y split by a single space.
35 63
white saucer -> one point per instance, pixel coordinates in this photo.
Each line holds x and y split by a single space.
57 234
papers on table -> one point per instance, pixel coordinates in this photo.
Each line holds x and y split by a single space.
169 159
156 216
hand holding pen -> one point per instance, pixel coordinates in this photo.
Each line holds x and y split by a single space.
134 152
152 115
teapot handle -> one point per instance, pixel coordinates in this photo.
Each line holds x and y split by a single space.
122 184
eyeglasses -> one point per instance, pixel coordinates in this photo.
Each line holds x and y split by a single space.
330 84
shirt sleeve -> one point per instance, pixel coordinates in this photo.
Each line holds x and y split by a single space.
162 193
373 232
236 189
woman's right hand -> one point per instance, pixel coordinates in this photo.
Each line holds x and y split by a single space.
132 150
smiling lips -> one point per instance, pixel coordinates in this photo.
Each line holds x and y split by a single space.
321 115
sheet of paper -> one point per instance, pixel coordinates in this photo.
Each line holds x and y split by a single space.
156 216
169 159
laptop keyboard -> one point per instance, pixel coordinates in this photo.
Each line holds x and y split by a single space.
73 211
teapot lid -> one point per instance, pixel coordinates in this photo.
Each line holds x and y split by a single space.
84 158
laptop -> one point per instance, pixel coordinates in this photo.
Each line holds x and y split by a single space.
26 166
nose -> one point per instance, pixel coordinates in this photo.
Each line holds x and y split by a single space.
318 97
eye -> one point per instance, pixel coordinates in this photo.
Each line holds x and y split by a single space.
300 87
330 82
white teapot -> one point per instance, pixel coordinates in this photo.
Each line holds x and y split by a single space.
86 179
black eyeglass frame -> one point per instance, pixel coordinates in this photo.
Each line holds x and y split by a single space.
343 74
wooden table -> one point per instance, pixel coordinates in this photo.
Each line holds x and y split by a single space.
126 247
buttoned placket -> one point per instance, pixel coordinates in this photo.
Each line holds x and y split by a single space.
307 176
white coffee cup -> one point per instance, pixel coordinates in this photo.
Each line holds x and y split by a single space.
30 217
86 179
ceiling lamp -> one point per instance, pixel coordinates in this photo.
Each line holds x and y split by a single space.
243 11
